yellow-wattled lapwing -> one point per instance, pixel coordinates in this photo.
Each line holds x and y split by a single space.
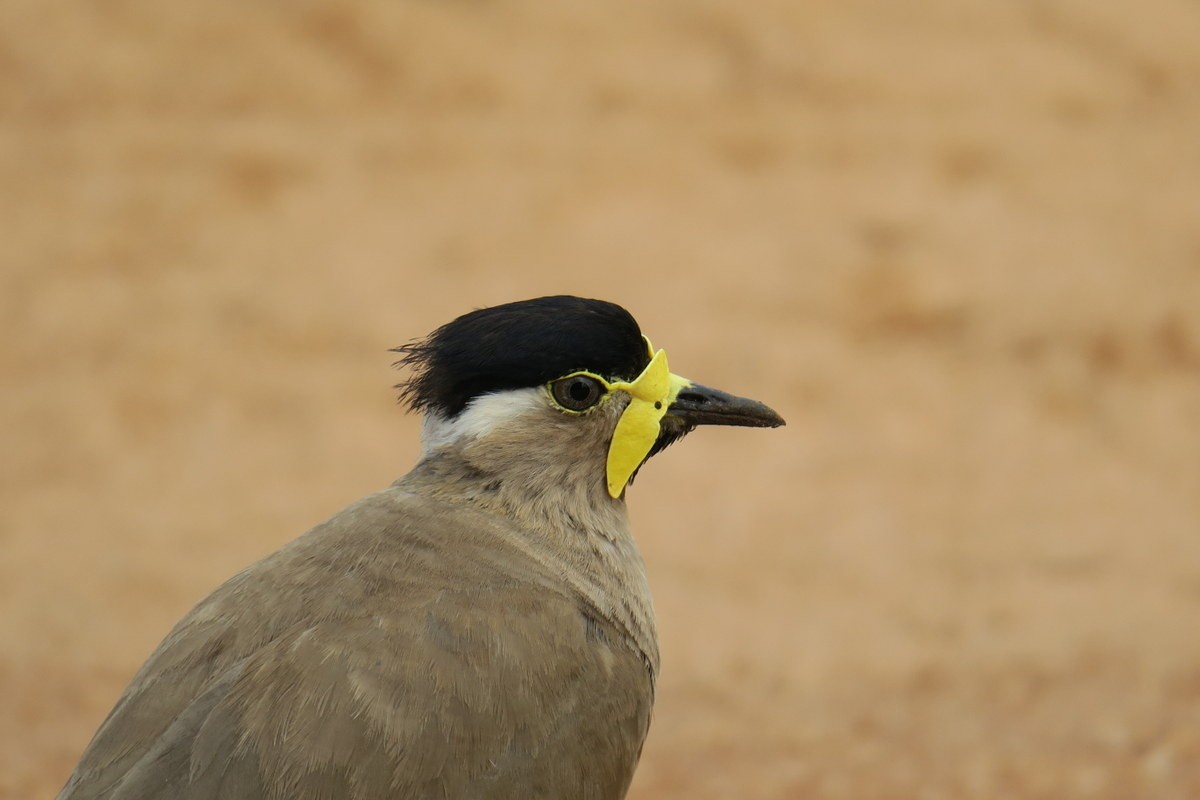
480 629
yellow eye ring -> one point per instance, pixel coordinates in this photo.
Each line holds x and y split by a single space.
577 393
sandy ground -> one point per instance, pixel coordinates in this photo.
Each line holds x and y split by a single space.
955 243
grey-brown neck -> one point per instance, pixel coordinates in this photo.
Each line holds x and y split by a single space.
543 472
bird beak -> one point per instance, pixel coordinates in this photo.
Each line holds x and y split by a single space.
662 408
695 404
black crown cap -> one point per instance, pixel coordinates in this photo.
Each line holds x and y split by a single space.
518 345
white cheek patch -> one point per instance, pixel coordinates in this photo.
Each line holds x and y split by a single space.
482 415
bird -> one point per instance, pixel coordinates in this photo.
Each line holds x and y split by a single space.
480 629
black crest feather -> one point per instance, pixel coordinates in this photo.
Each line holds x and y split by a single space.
516 345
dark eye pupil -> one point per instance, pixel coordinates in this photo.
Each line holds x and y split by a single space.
580 390
578 393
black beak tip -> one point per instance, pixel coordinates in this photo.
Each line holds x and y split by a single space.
774 421
760 415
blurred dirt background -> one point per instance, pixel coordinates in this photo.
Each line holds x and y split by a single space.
956 244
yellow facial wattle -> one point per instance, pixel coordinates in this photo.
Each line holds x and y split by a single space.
650 394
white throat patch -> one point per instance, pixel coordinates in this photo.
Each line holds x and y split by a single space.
482 415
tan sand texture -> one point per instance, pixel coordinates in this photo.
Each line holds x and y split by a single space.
956 244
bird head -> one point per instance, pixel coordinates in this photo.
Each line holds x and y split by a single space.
564 376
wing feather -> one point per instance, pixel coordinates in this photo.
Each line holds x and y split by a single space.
441 667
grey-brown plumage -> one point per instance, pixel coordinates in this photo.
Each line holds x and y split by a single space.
480 629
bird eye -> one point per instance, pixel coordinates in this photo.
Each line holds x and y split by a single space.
577 392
